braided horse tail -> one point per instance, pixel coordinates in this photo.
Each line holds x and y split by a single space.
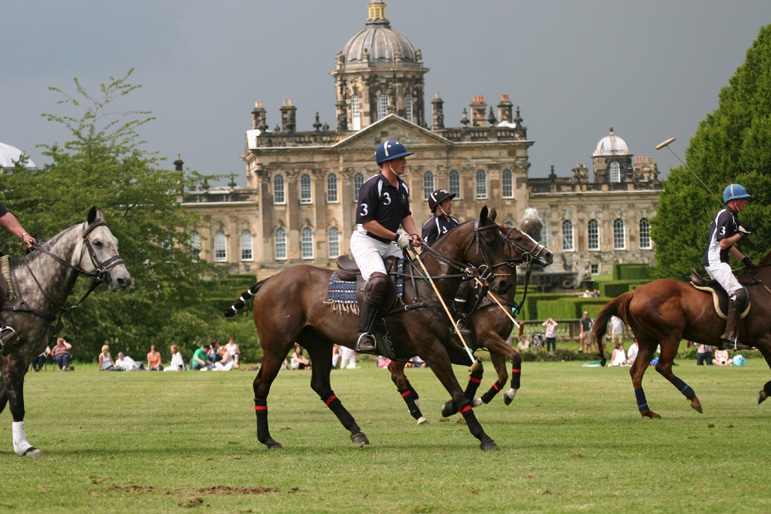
245 296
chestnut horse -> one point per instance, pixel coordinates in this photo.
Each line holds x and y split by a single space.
290 307
490 324
42 281
664 312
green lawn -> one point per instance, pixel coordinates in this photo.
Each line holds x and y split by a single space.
571 441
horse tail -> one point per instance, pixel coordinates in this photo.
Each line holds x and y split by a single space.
245 296
619 306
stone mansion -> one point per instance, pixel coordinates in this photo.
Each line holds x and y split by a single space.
299 202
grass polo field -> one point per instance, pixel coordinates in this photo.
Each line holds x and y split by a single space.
572 440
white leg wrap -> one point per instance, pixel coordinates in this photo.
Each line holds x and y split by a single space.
20 443
511 393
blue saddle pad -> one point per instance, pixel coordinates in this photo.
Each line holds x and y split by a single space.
341 291
344 291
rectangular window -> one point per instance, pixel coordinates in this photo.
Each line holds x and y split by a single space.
594 235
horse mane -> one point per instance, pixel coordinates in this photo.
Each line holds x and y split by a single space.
34 255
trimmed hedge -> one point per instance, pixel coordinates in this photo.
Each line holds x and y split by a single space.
638 272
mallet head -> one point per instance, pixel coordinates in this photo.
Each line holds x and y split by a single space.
665 143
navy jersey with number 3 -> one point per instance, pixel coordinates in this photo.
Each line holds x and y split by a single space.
382 202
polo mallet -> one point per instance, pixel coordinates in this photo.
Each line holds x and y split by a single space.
494 299
669 142
444 305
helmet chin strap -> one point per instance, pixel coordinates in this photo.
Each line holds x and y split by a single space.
443 211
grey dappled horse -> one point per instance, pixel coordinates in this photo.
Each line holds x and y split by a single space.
41 282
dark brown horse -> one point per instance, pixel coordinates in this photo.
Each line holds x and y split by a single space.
290 306
664 312
490 325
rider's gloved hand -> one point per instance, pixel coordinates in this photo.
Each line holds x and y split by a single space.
743 230
748 264
403 240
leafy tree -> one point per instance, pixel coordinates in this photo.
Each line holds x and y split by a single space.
730 146
104 165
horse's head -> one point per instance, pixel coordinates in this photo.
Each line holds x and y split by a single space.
484 247
523 249
101 260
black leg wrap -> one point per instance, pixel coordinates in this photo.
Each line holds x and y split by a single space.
516 375
336 406
471 420
409 399
412 389
490 394
261 409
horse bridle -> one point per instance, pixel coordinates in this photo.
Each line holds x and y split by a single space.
98 276
484 272
525 256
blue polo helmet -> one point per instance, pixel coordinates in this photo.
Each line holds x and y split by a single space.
734 192
389 151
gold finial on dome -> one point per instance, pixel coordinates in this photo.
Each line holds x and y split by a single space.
376 10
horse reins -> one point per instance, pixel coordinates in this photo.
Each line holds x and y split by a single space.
97 277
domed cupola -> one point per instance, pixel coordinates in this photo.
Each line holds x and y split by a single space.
378 42
378 73
612 160
611 145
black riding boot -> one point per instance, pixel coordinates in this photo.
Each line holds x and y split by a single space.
367 318
729 339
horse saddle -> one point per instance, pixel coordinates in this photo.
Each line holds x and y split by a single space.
346 285
719 295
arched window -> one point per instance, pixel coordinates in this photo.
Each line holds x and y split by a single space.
333 236
593 230
358 181
246 246
615 173
428 184
408 107
619 234
508 184
455 183
306 243
305 189
382 106
355 113
279 198
567 236
481 185
331 188
279 247
645 234
195 246
220 247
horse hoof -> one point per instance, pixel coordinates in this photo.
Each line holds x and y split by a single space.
359 438
422 421
489 445
32 452
478 401
273 445
697 408
509 395
448 409
762 396
650 414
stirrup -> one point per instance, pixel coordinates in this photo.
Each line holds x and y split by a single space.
735 345
7 336
366 343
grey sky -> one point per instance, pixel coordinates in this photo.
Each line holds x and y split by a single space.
652 69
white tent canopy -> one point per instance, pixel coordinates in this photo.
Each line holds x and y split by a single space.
9 155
